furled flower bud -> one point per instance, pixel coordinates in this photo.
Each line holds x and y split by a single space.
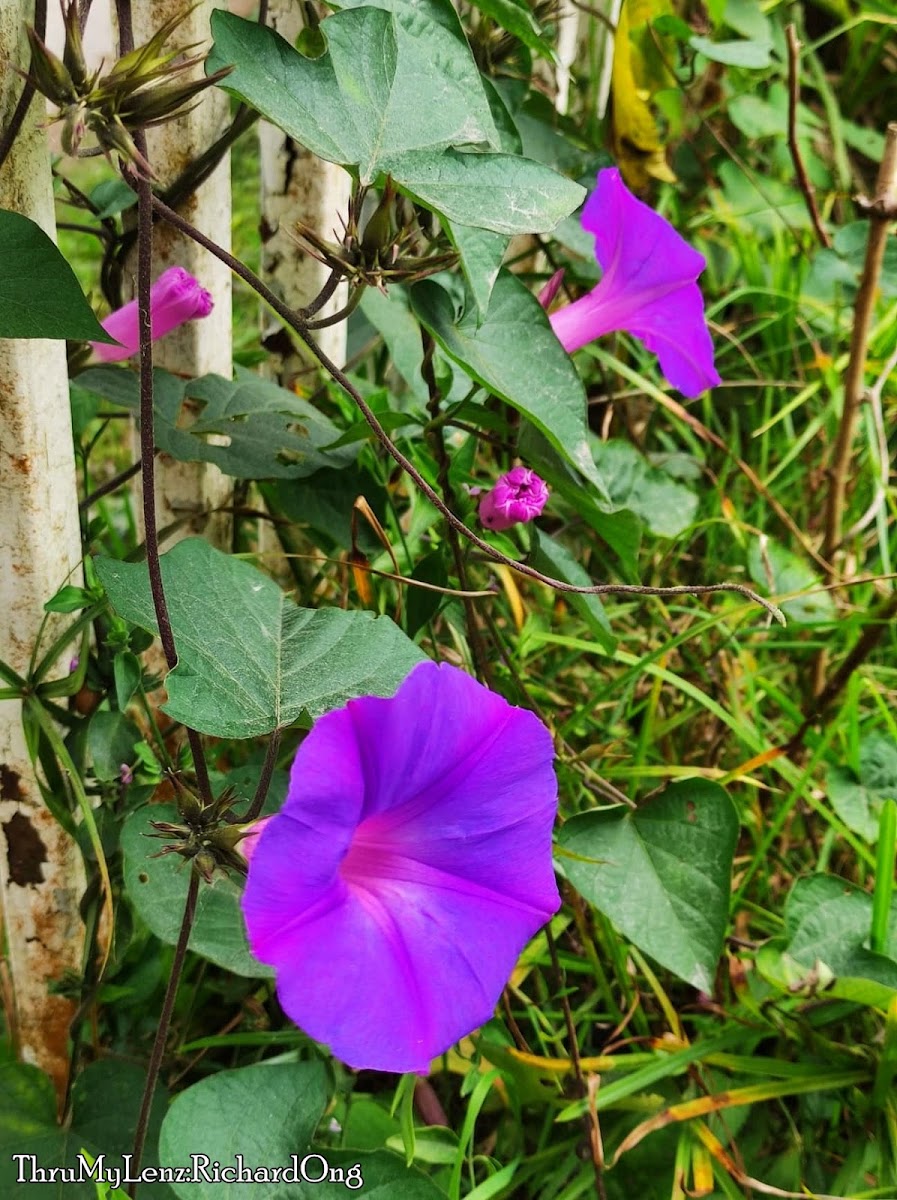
520 495
175 297
73 53
49 73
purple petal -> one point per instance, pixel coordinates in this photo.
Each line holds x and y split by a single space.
391 970
648 288
408 867
674 330
641 254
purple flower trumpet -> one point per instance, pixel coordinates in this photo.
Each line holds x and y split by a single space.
175 297
648 288
519 495
408 867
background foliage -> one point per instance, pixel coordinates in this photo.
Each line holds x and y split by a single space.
714 1011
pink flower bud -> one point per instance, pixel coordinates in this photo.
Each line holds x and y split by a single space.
247 845
175 297
519 495
551 289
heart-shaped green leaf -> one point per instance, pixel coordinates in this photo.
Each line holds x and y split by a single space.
249 660
661 872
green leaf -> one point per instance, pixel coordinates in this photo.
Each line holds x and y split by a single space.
266 1112
666 506
157 888
753 55
827 923
385 1177
774 207
392 318
69 599
111 197
748 18
835 274
790 573
39 294
514 353
422 604
661 873
858 801
270 432
393 94
127 673
516 20
482 253
111 741
249 660
371 97
503 192
324 501
552 558
105 1101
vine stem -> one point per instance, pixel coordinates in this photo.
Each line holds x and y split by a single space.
148 450
155 1062
295 321
11 132
264 782
437 438
160 605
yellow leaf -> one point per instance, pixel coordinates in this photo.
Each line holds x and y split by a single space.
639 72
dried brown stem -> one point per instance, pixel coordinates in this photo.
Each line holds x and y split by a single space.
878 624
803 179
882 210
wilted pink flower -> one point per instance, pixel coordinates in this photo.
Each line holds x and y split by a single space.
519 495
408 867
648 288
175 297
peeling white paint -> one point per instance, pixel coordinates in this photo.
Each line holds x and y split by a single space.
41 873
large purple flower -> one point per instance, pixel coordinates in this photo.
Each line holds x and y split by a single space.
408 867
175 297
648 288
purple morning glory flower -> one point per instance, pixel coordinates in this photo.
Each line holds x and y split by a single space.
408 867
519 495
175 297
648 288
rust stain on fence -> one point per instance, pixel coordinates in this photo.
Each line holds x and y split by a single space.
25 851
10 782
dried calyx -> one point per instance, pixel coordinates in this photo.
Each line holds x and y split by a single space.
388 249
207 837
144 87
